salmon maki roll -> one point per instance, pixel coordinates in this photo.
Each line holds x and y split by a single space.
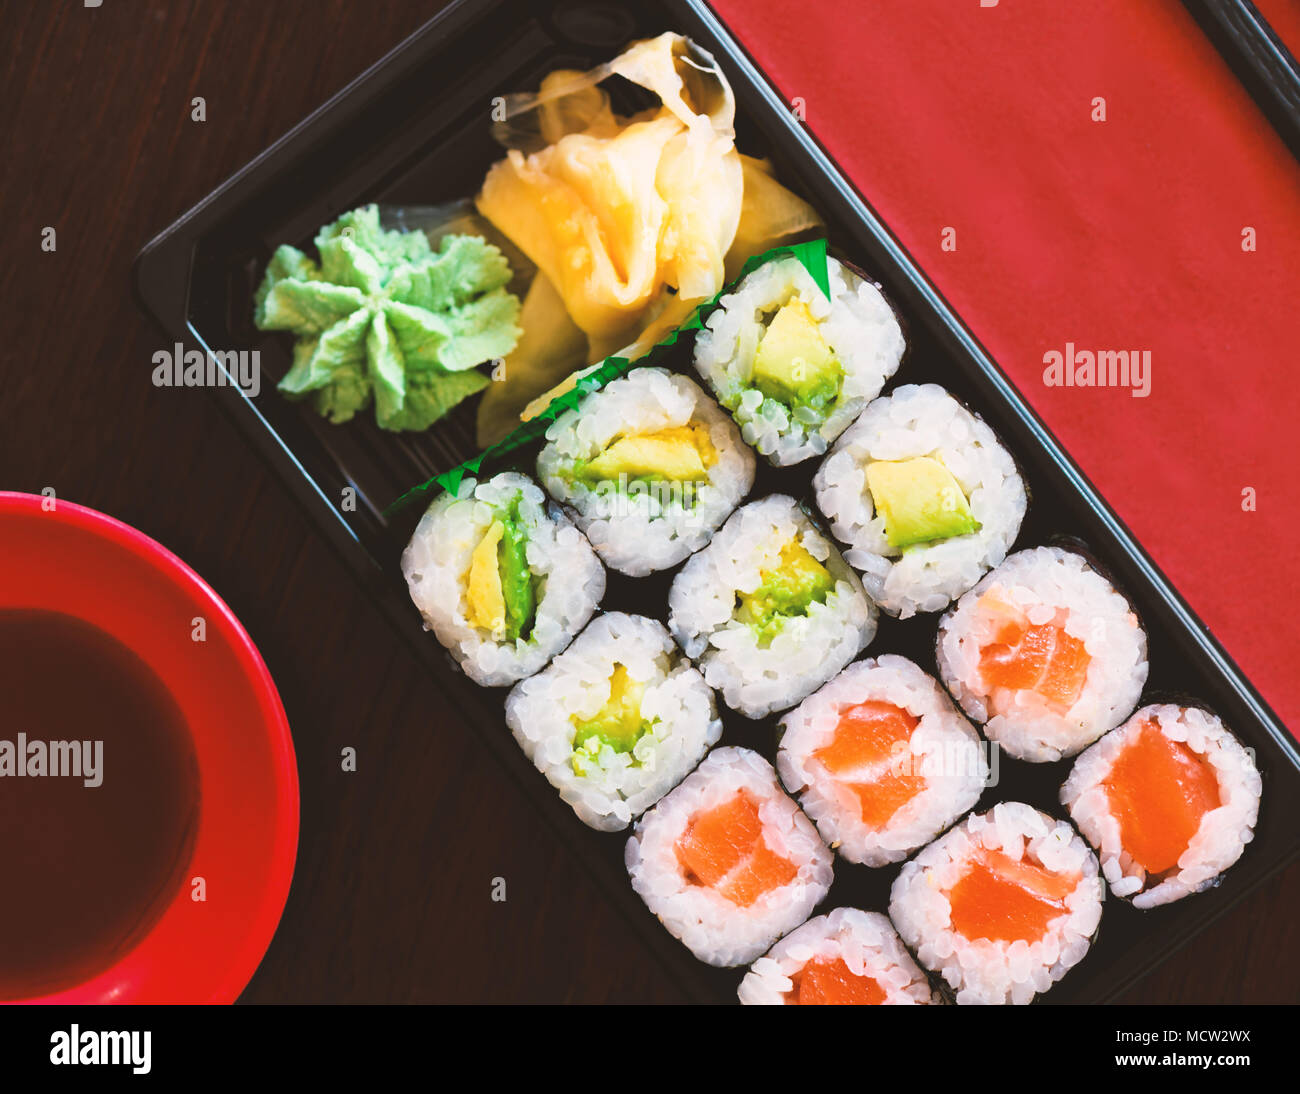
1002 906
1169 800
881 760
726 861
846 958
1045 653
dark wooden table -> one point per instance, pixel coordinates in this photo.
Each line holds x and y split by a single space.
391 898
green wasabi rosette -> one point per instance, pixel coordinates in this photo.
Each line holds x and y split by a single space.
382 317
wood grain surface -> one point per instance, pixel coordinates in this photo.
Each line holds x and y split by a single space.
391 898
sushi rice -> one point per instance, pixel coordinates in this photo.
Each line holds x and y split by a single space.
1103 792
1045 653
1002 906
846 956
858 325
640 522
915 422
759 670
881 760
568 577
726 861
608 783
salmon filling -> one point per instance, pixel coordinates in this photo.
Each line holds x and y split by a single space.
1159 790
825 982
1032 657
723 849
1005 900
869 754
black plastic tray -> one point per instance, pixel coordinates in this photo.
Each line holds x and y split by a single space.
413 129
1258 58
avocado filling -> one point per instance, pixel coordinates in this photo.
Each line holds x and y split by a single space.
618 724
501 589
681 454
920 501
794 364
788 590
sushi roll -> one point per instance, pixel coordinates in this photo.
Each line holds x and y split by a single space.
650 466
881 760
793 367
615 721
503 581
847 957
726 861
769 610
1045 653
1002 906
924 496
1169 800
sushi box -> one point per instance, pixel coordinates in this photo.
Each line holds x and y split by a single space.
412 130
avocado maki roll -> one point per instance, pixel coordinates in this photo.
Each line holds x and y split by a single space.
769 610
925 497
793 367
650 466
502 580
615 721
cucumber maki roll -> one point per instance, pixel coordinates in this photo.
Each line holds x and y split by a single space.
793 367
650 466
503 581
769 610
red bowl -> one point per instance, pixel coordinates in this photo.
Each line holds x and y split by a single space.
75 560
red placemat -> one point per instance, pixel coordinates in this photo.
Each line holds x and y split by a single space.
1284 17
1119 234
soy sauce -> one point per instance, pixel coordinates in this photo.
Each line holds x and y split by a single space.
85 871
